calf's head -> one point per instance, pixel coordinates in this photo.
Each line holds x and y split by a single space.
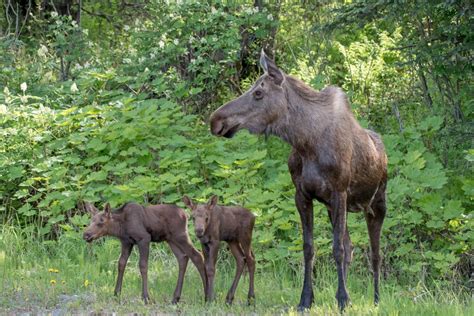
100 221
264 104
201 214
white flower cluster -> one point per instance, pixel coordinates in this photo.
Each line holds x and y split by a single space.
74 88
42 51
251 11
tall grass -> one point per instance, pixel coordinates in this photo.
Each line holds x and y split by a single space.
70 276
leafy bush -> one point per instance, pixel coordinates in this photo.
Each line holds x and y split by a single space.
196 48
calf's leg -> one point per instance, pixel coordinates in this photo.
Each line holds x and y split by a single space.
250 261
182 264
144 249
210 256
240 264
184 243
122 263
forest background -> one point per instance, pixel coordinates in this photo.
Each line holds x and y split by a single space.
109 101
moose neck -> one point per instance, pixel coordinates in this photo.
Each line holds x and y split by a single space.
308 115
115 226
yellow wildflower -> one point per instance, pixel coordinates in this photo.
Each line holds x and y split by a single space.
53 282
52 270
86 283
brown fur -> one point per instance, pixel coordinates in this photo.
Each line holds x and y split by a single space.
333 160
233 224
134 224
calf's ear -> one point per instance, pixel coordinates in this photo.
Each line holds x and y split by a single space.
188 202
90 208
107 210
213 201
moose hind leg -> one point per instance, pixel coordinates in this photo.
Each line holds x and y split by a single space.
144 250
250 261
182 264
240 264
184 243
338 204
348 247
305 209
374 226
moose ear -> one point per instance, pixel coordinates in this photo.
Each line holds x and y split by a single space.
89 207
213 201
263 62
188 202
107 210
271 69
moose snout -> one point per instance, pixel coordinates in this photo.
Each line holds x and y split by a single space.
199 232
217 124
87 236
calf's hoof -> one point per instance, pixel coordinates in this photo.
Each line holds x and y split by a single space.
251 300
376 300
229 300
175 300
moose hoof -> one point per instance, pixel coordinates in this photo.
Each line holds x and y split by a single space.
175 301
343 301
228 301
251 300
305 303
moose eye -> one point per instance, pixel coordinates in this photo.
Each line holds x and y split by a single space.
258 94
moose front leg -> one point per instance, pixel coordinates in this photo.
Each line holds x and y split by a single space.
122 263
210 257
144 249
305 209
338 205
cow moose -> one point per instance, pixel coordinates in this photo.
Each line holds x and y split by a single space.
333 160
134 224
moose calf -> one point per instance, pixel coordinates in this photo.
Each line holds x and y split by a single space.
214 223
134 224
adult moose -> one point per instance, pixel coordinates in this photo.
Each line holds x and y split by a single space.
333 160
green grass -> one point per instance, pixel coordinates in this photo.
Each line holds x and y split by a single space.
84 278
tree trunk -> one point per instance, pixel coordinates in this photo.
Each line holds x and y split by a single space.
424 88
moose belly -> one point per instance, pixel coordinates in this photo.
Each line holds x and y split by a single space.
360 197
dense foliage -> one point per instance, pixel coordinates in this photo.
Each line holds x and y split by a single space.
118 112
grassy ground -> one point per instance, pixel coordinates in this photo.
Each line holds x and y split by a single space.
69 276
